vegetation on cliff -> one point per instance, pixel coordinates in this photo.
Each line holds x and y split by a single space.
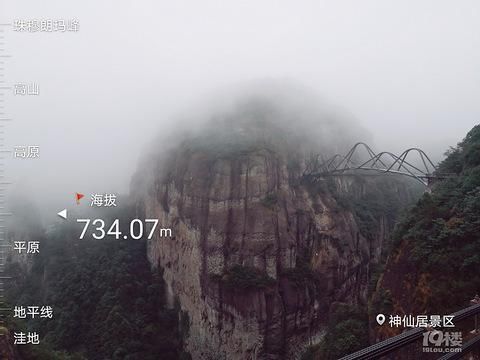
346 333
244 277
442 231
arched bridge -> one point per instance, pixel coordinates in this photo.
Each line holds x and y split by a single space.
413 162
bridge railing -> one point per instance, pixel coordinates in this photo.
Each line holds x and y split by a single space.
396 342
423 170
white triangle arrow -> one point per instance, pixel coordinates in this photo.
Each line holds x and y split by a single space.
63 213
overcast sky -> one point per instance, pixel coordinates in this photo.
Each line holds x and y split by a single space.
408 71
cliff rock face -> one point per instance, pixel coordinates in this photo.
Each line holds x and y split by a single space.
258 255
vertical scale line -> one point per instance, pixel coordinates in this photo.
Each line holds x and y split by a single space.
2 107
4 56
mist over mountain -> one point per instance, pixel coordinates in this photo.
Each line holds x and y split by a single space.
277 114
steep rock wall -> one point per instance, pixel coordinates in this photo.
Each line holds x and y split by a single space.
258 257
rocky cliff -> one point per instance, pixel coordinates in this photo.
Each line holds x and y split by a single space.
434 261
259 255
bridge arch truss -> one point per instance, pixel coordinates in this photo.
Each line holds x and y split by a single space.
412 162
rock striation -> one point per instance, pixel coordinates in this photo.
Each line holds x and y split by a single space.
258 255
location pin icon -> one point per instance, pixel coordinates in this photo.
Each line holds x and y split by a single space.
380 319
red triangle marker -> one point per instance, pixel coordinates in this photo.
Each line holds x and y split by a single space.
78 197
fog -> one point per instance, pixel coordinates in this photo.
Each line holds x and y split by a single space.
406 72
